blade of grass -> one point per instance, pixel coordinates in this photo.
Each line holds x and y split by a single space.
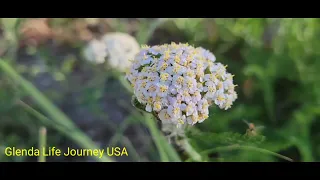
9 26
50 109
304 148
66 131
122 79
119 133
73 134
46 121
10 33
133 153
42 143
242 147
126 142
46 105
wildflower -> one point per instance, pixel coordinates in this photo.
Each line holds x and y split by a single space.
210 89
96 51
121 48
118 49
157 106
180 83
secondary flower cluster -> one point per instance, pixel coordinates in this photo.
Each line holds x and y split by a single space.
120 48
95 51
117 48
178 82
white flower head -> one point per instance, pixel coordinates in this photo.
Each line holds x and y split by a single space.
117 49
95 51
121 48
178 83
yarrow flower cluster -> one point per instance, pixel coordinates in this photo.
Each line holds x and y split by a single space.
120 48
178 83
116 48
95 51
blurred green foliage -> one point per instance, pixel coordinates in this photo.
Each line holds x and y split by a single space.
275 66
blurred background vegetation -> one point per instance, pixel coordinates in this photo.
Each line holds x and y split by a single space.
46 82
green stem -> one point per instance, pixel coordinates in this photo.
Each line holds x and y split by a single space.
42 142
78 138
191 152
241 147
165 150
118 134
156 137
49 108
304 148
42 118
160 139
133 153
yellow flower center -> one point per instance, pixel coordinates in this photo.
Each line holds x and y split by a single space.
166 55
157 105
163 88
220 98
164 76
164 66
176 110
176 69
